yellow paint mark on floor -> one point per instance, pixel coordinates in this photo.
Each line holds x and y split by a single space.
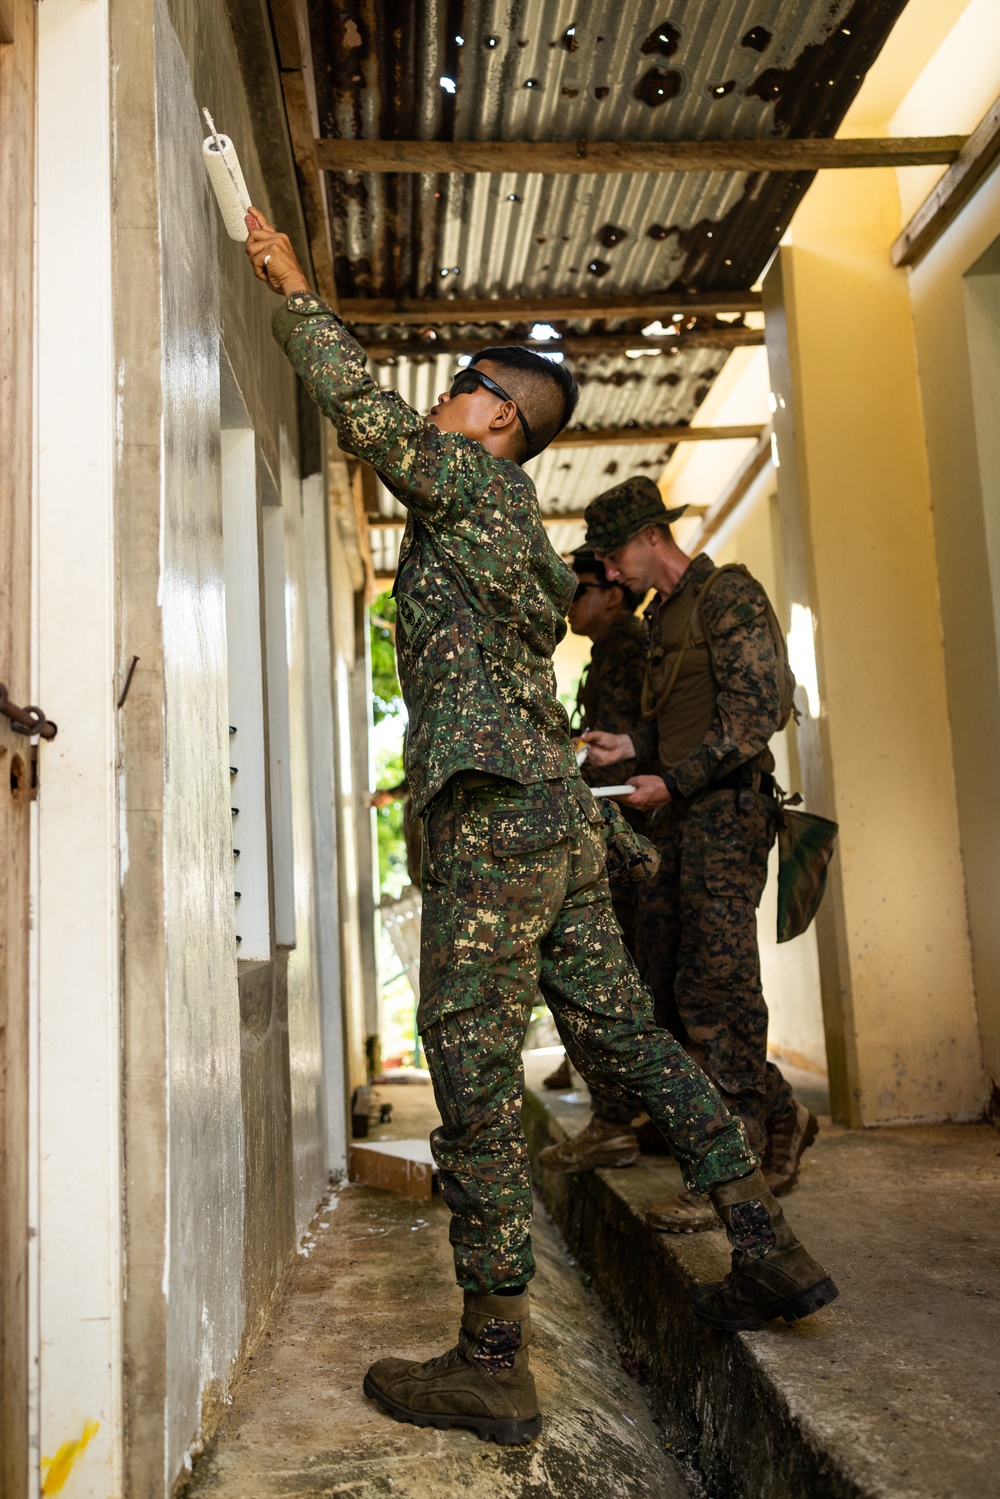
56 1470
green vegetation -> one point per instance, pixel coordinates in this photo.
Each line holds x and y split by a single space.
389 716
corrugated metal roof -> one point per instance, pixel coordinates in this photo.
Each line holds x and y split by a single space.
785 67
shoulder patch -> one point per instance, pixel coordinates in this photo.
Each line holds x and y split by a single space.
736 599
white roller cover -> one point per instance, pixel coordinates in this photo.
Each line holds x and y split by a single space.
232 197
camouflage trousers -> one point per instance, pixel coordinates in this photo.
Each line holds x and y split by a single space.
696 948
516 901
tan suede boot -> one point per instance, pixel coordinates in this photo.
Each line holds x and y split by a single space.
688 1213
483 1384
789 1137
772 1275
602 1142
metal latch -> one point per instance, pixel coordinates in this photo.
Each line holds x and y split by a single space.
28 720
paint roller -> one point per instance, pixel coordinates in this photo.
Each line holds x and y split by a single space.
226 176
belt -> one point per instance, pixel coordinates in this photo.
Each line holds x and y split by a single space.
735 781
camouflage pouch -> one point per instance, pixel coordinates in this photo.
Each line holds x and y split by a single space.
630 857
806 844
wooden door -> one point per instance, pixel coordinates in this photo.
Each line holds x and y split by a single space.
17 106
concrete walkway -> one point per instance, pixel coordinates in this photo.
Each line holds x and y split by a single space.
893 1392
378 1279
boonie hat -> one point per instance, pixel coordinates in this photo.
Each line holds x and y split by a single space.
623 511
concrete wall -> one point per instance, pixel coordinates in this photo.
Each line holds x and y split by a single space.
234 1089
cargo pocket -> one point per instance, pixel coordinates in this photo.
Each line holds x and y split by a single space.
524 832
438 848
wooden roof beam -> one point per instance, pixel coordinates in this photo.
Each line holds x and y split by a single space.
291 29
599 437
433 312
592 343
562 518
946 200
808 155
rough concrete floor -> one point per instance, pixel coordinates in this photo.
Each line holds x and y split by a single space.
898 1382
378 1279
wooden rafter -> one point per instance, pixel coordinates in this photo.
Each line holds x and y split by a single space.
562 518
946 200
595 437
291 28
432 312
588 343
808 155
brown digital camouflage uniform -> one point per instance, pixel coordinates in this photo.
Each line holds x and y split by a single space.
514 887
697 921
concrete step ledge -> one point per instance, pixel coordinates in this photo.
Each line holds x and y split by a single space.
740 1421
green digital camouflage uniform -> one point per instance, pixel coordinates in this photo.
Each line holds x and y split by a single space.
697 920
515 897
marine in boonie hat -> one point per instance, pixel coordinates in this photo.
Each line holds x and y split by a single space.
621 512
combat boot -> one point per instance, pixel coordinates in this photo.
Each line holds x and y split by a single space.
690 1213
561 1080
772 1273
603 1142
789 1137
483 1384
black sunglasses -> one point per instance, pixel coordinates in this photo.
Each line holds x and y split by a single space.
465 383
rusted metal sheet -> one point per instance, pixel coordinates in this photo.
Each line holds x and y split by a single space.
551 70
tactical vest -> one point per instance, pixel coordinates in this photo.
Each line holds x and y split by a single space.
680 690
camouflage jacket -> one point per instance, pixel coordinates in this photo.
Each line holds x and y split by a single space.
742 661
610 690
481 595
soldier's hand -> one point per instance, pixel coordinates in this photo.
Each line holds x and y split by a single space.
608 749
272 257
650 791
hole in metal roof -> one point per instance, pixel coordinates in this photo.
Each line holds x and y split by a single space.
719 90
659 85
448 84
657 231
598 268
758 39
610 235
602 91
491 41
569 38
663 39
532 83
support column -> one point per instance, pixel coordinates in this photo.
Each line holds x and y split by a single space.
77 1069
854 496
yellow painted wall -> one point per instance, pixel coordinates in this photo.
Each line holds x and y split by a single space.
952 93
861 467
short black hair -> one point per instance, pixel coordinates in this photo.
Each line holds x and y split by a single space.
545 391
586 562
